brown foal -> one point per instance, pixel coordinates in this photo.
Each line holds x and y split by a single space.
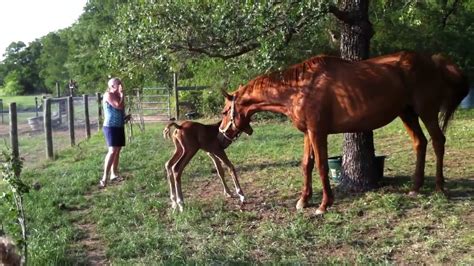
188 138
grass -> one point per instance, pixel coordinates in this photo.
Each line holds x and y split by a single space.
22 102
71 222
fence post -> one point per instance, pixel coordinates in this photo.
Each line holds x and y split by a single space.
48 131
36 105
176 97
1 108
86 115
14 130
58 92
70 112
99 111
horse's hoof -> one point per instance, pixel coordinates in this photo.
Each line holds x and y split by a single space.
320 211
300 205
242 198
412 193
227 194
441 191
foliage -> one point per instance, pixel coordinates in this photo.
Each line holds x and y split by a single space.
221 42
10 173
426 26
12 85
20 61
52 60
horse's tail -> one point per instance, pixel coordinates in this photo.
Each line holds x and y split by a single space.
458 86
167 131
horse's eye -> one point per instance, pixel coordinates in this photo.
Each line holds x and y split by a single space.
224 113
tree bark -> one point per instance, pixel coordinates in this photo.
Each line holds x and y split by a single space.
358 171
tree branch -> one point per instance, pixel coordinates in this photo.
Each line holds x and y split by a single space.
448 13
343 16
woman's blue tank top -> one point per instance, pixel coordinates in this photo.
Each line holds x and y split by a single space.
113 117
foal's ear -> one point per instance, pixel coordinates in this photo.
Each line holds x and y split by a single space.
226 95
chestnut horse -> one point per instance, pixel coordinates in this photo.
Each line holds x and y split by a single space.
327 95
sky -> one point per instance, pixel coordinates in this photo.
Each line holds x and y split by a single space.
27 20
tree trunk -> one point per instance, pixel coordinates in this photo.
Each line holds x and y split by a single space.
358 161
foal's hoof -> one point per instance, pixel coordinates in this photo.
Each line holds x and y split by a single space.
242 198
413 193
301 204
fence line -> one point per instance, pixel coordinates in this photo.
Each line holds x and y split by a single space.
66 110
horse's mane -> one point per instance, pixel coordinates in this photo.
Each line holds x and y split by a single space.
294 73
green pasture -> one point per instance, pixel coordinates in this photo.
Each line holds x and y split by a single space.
22 102
130 223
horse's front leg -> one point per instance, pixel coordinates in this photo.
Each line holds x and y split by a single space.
225 160
220 173
319 143
307 164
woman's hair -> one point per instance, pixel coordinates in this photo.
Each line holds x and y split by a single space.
113 81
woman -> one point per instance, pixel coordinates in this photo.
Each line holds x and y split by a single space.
113 128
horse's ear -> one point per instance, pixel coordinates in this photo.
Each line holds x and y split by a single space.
226 95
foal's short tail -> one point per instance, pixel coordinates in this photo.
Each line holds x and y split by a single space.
458 86
167 131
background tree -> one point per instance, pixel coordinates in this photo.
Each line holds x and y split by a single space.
20 65
52 60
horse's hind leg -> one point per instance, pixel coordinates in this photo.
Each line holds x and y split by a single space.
177 169
438 139
308 165
220 173
412 125
169 173
223 157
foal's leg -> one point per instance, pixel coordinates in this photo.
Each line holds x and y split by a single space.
319 143
412 125
223 157
220 173
169 173
307 164
438 139
178 171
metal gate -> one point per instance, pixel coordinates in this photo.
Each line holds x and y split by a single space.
152 104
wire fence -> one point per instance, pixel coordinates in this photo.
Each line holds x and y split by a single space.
32 143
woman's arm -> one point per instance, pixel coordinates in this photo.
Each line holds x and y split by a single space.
115 99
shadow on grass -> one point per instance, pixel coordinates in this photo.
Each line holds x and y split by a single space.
258 166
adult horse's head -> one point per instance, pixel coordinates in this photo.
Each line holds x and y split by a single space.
235 118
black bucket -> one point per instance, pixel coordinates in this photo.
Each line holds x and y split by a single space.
335 164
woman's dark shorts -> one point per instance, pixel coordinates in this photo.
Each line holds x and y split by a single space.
114 136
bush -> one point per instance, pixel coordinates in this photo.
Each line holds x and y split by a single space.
12 85
212 102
